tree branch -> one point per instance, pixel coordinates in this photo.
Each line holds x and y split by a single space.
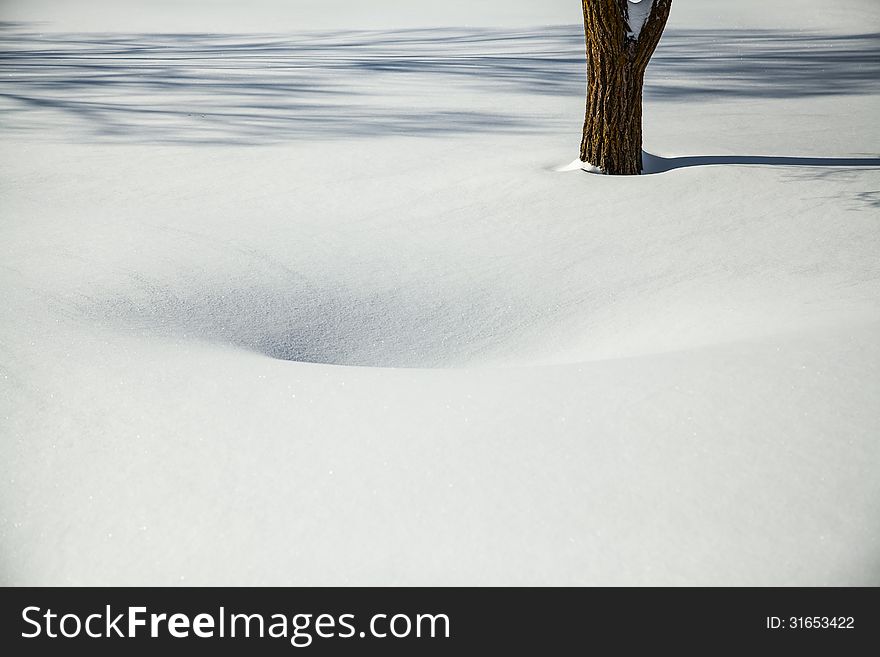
652 30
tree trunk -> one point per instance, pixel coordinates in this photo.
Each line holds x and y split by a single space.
618 51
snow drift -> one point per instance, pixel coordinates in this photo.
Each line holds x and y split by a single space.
318 308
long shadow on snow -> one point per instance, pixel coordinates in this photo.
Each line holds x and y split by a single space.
249 89
658 164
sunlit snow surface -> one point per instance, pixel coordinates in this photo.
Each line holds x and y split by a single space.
331 307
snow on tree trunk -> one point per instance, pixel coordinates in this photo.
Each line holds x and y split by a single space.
621 36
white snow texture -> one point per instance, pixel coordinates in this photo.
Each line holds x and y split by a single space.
303 293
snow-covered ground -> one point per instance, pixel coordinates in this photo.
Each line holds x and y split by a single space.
319 307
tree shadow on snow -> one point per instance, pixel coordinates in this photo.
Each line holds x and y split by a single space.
658 164
252 89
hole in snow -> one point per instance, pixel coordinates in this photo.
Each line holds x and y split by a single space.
406 327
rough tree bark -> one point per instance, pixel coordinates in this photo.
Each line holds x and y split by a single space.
617 56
